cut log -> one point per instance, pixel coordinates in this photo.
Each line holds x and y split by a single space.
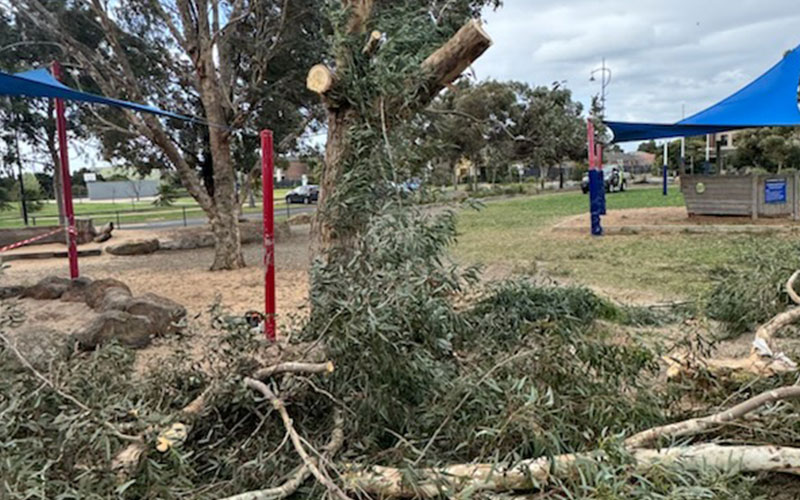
527 475
320 79
452 58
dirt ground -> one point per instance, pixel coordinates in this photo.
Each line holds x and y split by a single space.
182 276
666 216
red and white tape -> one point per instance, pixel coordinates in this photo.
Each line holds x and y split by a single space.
35 238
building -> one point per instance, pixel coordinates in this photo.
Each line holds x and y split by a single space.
292 171
121 190
723 143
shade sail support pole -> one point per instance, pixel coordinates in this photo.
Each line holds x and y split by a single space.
66 181
664 168
596 187
268 211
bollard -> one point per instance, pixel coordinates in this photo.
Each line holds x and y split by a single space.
118 224
184 216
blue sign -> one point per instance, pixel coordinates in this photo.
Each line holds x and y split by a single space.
775 191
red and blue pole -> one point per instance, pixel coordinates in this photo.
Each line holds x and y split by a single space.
596 186
66 181
267 173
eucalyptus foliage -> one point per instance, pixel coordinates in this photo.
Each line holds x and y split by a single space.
751 289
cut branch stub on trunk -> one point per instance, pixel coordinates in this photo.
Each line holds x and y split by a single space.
320 79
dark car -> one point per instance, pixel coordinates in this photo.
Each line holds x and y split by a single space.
303 194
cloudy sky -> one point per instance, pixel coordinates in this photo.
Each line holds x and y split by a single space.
663 54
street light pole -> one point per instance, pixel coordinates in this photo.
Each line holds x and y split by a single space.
605 80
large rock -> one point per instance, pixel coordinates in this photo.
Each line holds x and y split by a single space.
300 219
77 290
95 293
134 247
250 232
38 345
162 312
11 291
49 288
115 299
127 329
253 232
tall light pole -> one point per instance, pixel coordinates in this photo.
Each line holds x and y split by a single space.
605 80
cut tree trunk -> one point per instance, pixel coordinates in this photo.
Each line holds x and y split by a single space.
336 150
438 70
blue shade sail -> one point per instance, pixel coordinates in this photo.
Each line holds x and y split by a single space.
768 101
40 83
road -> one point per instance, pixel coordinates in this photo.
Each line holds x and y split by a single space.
199 221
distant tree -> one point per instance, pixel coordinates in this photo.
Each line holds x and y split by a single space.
771 148
648 147
497 124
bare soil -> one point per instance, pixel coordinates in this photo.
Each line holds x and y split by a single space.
670 216
182 276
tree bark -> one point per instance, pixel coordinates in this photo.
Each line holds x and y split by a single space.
336 149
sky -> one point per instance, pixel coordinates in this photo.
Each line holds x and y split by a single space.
663 55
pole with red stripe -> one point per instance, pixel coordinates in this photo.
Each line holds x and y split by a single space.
268 208
66 181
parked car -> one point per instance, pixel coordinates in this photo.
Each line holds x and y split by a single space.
614 179
303 194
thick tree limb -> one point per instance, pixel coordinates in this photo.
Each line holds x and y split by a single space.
452 58
698 425
388 482
309 462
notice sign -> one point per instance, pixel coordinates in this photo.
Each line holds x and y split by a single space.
775 191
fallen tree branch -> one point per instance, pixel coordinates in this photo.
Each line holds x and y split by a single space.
309 462
301 474
698 425
526 475
763 361
36 373
126 460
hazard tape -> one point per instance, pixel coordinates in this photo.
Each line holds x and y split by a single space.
18 244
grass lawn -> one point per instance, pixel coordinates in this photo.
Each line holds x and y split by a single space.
517 233
129 211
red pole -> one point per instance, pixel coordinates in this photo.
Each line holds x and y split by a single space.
267 167
66 181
